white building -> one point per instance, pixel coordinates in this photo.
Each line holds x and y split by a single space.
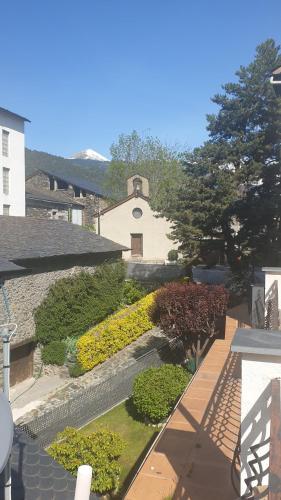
132 223
12 163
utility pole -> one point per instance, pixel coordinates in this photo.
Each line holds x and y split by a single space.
6 389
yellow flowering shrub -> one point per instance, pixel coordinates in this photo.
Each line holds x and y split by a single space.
114 333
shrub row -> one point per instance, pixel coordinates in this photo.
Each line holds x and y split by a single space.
156 391
76 303
114 333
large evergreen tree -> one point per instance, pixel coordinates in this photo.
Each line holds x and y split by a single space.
235 176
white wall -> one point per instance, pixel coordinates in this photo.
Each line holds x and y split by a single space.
15 162
118 224
273 293
257 373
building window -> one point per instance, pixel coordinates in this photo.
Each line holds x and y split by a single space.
62 184
5 143
137 213
6 209
6 183
76 191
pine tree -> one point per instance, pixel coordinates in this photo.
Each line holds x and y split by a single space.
235 176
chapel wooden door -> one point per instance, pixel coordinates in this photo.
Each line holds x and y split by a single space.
136 245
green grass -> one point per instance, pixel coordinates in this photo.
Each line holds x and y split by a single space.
137 435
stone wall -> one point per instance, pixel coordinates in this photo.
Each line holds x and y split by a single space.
91 202
26 292
40 181
46 213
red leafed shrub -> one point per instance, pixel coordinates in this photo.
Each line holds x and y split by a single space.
190 311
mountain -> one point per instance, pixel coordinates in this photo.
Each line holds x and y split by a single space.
92 170
88 154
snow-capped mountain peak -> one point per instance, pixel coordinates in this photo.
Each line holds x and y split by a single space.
88 154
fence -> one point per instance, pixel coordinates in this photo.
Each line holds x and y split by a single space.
88 404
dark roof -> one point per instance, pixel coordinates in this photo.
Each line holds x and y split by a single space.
30 238
35 475
118 203
14 114
66 176
48 196
7 267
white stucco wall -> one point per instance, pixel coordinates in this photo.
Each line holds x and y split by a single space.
15 162
273 292
118 224
257 373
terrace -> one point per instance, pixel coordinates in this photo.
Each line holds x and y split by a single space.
223 438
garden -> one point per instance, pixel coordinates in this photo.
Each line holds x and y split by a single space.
115 443
85 320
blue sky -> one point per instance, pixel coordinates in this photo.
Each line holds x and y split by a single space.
84 72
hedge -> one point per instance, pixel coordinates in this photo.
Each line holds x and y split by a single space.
54 353
156 391
100 449
75 304
114 333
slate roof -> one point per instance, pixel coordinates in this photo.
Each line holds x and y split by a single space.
7 267
35 475
75 180
4 110
31 238
57 197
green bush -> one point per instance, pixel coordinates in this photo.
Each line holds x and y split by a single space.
132 291
156 391
76 370
100 449
74 304
54 353
173 255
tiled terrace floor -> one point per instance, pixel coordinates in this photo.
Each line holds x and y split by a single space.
192 459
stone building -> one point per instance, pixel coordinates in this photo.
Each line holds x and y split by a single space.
132 222
81 190
52 205
45 250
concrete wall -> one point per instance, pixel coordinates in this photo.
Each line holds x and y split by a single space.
15 162
257 373
118 224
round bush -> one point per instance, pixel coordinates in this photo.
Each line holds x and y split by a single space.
156 391
54 353
100 449
173 255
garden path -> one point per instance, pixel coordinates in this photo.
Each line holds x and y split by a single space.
38 400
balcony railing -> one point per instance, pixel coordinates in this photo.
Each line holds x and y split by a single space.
265 463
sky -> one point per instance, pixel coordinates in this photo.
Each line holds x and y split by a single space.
86 71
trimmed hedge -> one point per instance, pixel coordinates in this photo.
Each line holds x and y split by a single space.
100 449
54 353
76 303
113 334
156 391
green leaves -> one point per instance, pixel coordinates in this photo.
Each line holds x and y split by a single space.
100 449
156 391
74 304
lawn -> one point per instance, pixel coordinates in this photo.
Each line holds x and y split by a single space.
137 435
